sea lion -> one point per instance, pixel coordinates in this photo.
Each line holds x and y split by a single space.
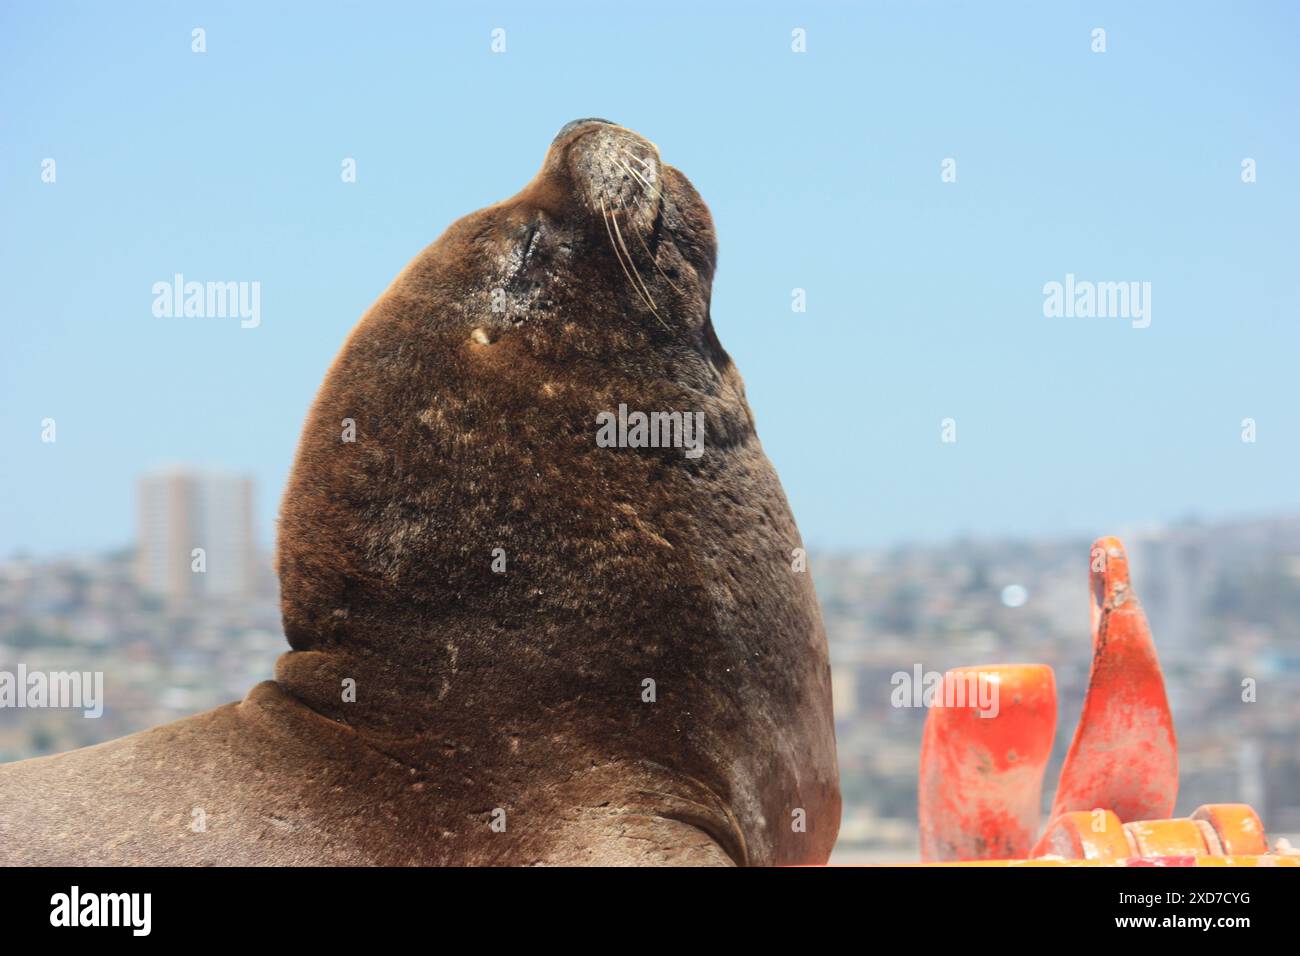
512 643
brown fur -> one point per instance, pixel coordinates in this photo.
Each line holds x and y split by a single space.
519 691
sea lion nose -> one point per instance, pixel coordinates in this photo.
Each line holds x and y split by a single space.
568 128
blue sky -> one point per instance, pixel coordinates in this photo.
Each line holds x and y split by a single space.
822 171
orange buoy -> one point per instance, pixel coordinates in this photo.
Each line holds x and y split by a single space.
1124 755
982 766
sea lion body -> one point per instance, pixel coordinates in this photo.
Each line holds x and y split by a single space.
513 644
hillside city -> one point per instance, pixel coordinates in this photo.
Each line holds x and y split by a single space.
1223 601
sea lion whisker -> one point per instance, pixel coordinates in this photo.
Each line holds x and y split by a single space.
627 152
630 261
645 182
654 261
639 176
622 244
606 217
637 272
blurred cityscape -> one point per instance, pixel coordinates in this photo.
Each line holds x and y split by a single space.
174 627
1223 602
177 629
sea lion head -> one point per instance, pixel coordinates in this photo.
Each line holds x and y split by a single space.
607 246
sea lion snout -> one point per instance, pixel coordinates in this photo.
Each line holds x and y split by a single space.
611 171
605 206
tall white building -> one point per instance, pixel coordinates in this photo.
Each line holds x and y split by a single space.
196 534
1172 572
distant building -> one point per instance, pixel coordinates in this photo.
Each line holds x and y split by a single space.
1173 573
183 511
